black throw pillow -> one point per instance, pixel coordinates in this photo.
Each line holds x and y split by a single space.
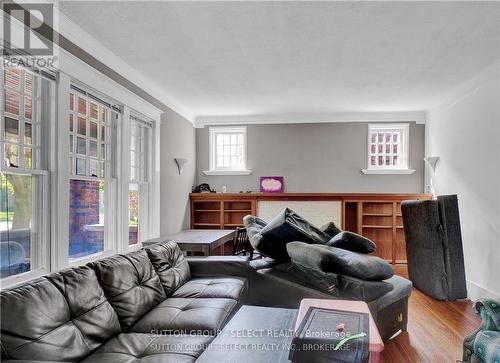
331 229
353 242
339 261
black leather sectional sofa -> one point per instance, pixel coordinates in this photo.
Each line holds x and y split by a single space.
150 305
154 305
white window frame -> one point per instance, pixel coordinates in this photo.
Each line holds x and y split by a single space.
56 172
143 180
111 219
404 129
213 170
39 172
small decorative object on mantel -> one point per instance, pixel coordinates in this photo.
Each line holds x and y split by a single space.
271 184
202 188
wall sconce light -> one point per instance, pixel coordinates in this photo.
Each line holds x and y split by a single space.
432 161
180 164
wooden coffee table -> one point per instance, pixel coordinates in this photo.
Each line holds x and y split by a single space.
197 240
375 345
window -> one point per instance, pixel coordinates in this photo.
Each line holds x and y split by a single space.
228 151
388 149
140 140
90 141
26 117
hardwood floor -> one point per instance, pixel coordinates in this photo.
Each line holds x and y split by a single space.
436 330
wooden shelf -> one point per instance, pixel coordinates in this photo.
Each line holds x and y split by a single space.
377 216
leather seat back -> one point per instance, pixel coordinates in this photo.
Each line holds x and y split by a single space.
130 284
170 265
63 317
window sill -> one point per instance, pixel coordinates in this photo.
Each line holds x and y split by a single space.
388 171
80 261
227 172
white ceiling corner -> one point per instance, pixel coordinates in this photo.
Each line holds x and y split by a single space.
94 47
262 62
419 117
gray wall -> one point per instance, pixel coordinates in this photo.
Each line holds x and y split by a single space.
177 141
321 157
463 132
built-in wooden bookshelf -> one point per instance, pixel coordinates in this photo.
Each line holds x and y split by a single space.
380 221
220 214
376 216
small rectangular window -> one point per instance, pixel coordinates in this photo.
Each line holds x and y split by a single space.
228 148
388 146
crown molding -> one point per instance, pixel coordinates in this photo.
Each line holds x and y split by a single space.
88 77
418 116
77 35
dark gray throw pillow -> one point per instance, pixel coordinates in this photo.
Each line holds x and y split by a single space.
287 226
254 225
330 229
343 286
339 261
353 242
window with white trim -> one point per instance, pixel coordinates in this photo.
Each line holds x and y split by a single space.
90 142
388 148
140 163
26 117
228 149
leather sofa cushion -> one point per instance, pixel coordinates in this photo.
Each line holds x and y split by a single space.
92 314
221 287
130 284
353 242
150 348
186 315
339 261
342 286
170 265
287 226
401 288
330 229
261 263
38 322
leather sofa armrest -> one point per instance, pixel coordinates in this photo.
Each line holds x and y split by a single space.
218 266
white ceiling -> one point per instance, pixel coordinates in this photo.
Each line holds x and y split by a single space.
258 58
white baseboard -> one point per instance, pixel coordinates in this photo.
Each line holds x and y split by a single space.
476 291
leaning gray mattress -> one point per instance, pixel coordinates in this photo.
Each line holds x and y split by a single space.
434 247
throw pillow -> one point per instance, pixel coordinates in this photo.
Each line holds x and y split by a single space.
339 261
286 227
353 242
